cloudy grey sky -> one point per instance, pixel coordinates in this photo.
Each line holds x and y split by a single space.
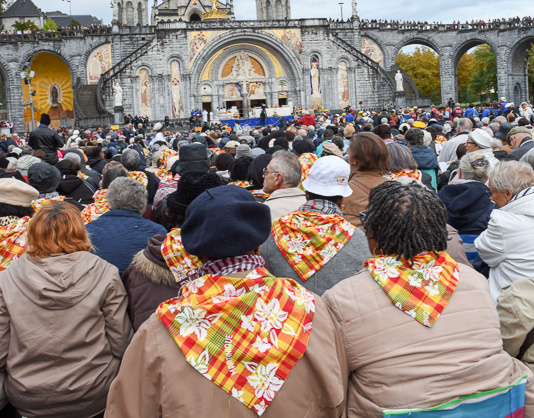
445 11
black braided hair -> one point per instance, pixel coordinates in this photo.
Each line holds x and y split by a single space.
406 220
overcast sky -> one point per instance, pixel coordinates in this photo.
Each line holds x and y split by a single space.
445 11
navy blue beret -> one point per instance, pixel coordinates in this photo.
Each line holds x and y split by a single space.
225 221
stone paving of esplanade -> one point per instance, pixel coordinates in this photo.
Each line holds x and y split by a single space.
368 84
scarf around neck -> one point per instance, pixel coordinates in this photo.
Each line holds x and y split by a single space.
421 289
412 174
12 242
179 261
309 239
243 334
95 210
39 203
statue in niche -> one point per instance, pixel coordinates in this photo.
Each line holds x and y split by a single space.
243 68
399 79
117 91
54 96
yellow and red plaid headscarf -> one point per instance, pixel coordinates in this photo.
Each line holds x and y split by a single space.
12 242
179 261
95 210
39 203
163 174
421 289
243 334
140 177
441 140
308 240
306 161
260 194
240 183
412 174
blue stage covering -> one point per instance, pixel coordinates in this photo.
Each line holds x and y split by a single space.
256 121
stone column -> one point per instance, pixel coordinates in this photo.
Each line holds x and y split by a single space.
503 79
188 106
449 82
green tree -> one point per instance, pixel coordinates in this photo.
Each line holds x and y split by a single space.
422 65
74 23
477 74
50 26
22 26
530 66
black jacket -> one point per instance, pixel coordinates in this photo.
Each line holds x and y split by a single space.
76 189
48 140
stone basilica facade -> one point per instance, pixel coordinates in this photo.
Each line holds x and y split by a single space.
182 55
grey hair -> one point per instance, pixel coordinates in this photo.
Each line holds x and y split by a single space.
528 157
127 194
494 126
130 160
287 164
400 158
511 175
427 138
475 167
72 156
465 125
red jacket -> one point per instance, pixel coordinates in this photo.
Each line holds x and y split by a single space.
307 120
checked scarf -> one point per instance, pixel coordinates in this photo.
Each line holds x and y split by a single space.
306 161
259 193
308 239
39 203
240 183
412 174
95 210
243 334
163 173
140 177
179 261
12 242
422 289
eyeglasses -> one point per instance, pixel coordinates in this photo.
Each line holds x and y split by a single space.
470 143
363 216
265 171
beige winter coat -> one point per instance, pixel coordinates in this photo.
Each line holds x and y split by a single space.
397 363
155 381
63 332
284 201
516 312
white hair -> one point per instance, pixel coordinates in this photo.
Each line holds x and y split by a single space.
511 175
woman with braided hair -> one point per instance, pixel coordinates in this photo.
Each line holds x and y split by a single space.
420 329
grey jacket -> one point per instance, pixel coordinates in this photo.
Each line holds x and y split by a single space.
346 263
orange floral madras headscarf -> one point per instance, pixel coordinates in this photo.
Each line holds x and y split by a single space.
421 289
140 177
440 139
308 240
412 174
163 174
178 260
95 210
259 193
306 161
240 183
12 242
39 203
243 334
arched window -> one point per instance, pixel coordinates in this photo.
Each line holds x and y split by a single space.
269 10
130 12
140 14
278 12
195 18
119 9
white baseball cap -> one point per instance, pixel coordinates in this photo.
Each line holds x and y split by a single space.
329 176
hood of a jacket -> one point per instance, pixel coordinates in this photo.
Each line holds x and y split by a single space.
58 282
68 184
468 206
522 206
424 157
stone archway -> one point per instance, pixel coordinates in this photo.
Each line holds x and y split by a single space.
261 40
52 90
517 70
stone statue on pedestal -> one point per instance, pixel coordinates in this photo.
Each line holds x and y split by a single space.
117 91
399 79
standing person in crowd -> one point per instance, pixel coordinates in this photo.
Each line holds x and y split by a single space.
63 323
506 245
46 139
315 245
236 336
369 160
281 179
448 153
412 287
